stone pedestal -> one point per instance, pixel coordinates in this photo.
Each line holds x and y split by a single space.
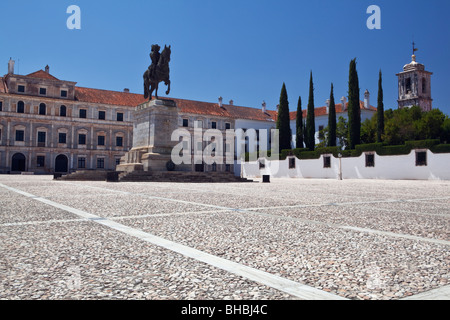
154 123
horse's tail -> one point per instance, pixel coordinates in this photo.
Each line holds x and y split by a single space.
146 84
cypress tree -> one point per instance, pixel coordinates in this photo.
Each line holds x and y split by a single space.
299 125
283 121
332 121
354 108
310 121
380 112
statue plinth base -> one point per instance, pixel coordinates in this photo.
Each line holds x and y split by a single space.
155 121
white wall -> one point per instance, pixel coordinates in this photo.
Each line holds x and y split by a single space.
386 167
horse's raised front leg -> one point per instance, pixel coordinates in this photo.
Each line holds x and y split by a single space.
167 84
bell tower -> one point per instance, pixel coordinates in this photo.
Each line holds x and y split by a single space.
414 85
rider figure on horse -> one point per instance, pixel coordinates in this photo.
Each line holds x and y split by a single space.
154 56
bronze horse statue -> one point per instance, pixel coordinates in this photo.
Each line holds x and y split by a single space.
160 73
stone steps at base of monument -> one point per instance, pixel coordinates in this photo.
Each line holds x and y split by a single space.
86 175
178 176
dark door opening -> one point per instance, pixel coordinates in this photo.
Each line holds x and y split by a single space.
61 164
18 163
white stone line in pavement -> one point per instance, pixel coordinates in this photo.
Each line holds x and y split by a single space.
158 215
356 229
252 211
442 293
288 286
443 215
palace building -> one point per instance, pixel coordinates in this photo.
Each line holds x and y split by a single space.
48 125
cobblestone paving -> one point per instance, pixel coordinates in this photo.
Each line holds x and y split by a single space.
355 239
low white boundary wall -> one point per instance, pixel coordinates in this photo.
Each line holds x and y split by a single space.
401 167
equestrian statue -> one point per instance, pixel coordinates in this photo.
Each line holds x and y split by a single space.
157 72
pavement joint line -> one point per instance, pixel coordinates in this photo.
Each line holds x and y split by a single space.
282 284
331 225
442 293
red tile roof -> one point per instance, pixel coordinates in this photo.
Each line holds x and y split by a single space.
108 97
89 95
41 74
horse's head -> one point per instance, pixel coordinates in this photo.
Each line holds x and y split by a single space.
166 53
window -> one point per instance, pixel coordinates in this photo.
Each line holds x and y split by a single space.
101 115
20 135
327 162
214 125
20 107
81 163
227 126
63 111
424 85
120 116
100 163
63 93
214 167
185 123
1 105
101 140
291 163
227 168
41 139
408 85
62 138
117 161
421 158
370 160
42 109
119 141
82 139
21 89
83 113
40 161
43 91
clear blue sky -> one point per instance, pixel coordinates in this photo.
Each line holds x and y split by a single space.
238 49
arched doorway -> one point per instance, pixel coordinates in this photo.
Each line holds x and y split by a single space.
18 163
61 164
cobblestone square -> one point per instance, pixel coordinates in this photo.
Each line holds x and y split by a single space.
291 239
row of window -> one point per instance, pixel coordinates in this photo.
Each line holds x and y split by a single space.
40 162
200 124
63 111
62 138
42 91
421 160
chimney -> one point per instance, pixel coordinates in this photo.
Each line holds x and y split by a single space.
278 108
231 102
366 99
126 90
11 66
47 69
343 101
328 105
220 102
264 107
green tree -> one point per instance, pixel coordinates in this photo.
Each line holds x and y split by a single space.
354 108
283 121
445 137
310 119
332 121
342 132
369 130
299 125
380 113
